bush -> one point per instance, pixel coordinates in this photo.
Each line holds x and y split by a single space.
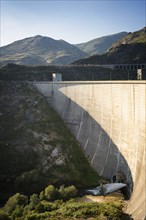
42 196
34 200
18 212
4 216
34 216
68 192
51 193
40 208
17 207
15 201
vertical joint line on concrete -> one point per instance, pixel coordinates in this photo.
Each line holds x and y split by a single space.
97 146
80 125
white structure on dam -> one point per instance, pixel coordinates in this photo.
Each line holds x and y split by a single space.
109 120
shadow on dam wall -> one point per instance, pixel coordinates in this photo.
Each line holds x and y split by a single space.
97 127
97 145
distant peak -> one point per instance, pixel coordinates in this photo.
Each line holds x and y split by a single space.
38 36
43 37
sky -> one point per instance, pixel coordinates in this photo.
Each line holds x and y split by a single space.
75 21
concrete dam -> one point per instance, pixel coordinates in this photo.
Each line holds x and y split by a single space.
108 118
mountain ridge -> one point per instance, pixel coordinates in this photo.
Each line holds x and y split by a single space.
130 49
100 45
43 50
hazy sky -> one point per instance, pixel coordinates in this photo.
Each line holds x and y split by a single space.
73 21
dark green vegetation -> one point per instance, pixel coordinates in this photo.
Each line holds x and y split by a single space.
40 50
36 148
59 204
100 45
69 73
130 49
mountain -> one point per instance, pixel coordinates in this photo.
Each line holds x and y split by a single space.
100 45
130 49
40 50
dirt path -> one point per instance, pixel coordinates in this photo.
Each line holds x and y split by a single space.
103 199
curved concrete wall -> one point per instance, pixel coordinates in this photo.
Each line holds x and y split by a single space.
109 120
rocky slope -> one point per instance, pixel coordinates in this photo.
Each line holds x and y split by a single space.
100 45
130 49
36 148
40 50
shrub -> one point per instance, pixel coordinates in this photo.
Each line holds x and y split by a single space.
42 196
34 200
14 201
18 212
68 192
40 208
17 207
4 216
34 216
51 193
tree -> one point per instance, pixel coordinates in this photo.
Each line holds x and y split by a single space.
4 216
68 192
14 201
42 195
51 193
34 200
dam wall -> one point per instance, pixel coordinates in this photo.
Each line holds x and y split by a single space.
108 118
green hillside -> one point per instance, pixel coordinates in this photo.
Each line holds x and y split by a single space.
36 148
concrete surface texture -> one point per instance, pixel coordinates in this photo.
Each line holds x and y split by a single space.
108 118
